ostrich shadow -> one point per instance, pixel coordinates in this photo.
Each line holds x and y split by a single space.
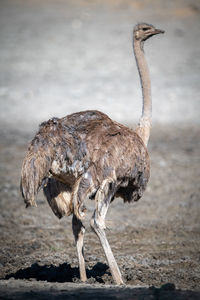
65 273
62 273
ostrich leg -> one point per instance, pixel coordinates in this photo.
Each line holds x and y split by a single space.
81 189
79 231
103 198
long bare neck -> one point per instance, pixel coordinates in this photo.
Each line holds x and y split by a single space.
144 126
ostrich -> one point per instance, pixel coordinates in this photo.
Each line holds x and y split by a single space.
86 154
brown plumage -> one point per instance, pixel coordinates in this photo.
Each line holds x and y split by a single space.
86 154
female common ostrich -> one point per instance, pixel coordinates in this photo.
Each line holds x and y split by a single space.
86 154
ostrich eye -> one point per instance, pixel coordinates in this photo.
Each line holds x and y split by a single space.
145 29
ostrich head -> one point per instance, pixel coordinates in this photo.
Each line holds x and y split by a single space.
144 31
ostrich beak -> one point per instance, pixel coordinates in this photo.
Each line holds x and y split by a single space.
153 32
157 31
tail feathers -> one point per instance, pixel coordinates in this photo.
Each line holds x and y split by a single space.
35 169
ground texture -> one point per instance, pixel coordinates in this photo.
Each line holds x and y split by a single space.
156 241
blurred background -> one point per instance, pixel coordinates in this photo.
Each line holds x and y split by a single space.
59 57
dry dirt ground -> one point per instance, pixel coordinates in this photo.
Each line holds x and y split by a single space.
156 241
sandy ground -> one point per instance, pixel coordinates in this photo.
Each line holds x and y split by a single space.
156 241
80 51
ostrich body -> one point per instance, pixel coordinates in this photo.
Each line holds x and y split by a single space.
86 154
